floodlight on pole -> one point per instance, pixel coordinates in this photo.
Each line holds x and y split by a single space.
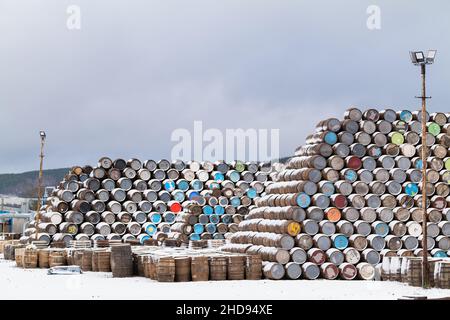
419 59
412 55
431 54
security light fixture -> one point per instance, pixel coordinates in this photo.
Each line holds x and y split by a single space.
431 54
413 57
419 58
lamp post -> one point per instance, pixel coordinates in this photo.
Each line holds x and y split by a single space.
38 207
419 59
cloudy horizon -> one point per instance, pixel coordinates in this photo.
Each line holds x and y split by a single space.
139 69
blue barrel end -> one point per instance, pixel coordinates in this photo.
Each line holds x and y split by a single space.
214 185
235 202
155 218
194 236
210 228
330 138
406 116
219 177
150 229
219 209
303 200
193 195
198 228
340 242
440 254
169 185
251 193
351 175
208 210
411 189
183 185
144 239
382 229
418 164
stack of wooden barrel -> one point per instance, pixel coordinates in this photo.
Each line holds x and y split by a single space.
183 264
164 264
408 269
352 195
135 200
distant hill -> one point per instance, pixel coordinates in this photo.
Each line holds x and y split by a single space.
25 184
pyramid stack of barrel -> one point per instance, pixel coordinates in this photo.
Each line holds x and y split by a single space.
352 195
139 201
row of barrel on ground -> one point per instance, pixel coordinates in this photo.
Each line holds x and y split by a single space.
198 262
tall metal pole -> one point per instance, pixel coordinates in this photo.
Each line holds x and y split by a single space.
425 267
38 207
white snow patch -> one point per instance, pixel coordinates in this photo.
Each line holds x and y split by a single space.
18 283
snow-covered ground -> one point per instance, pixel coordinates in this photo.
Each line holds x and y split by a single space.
18 283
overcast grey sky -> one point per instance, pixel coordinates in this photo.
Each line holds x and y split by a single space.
286 64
